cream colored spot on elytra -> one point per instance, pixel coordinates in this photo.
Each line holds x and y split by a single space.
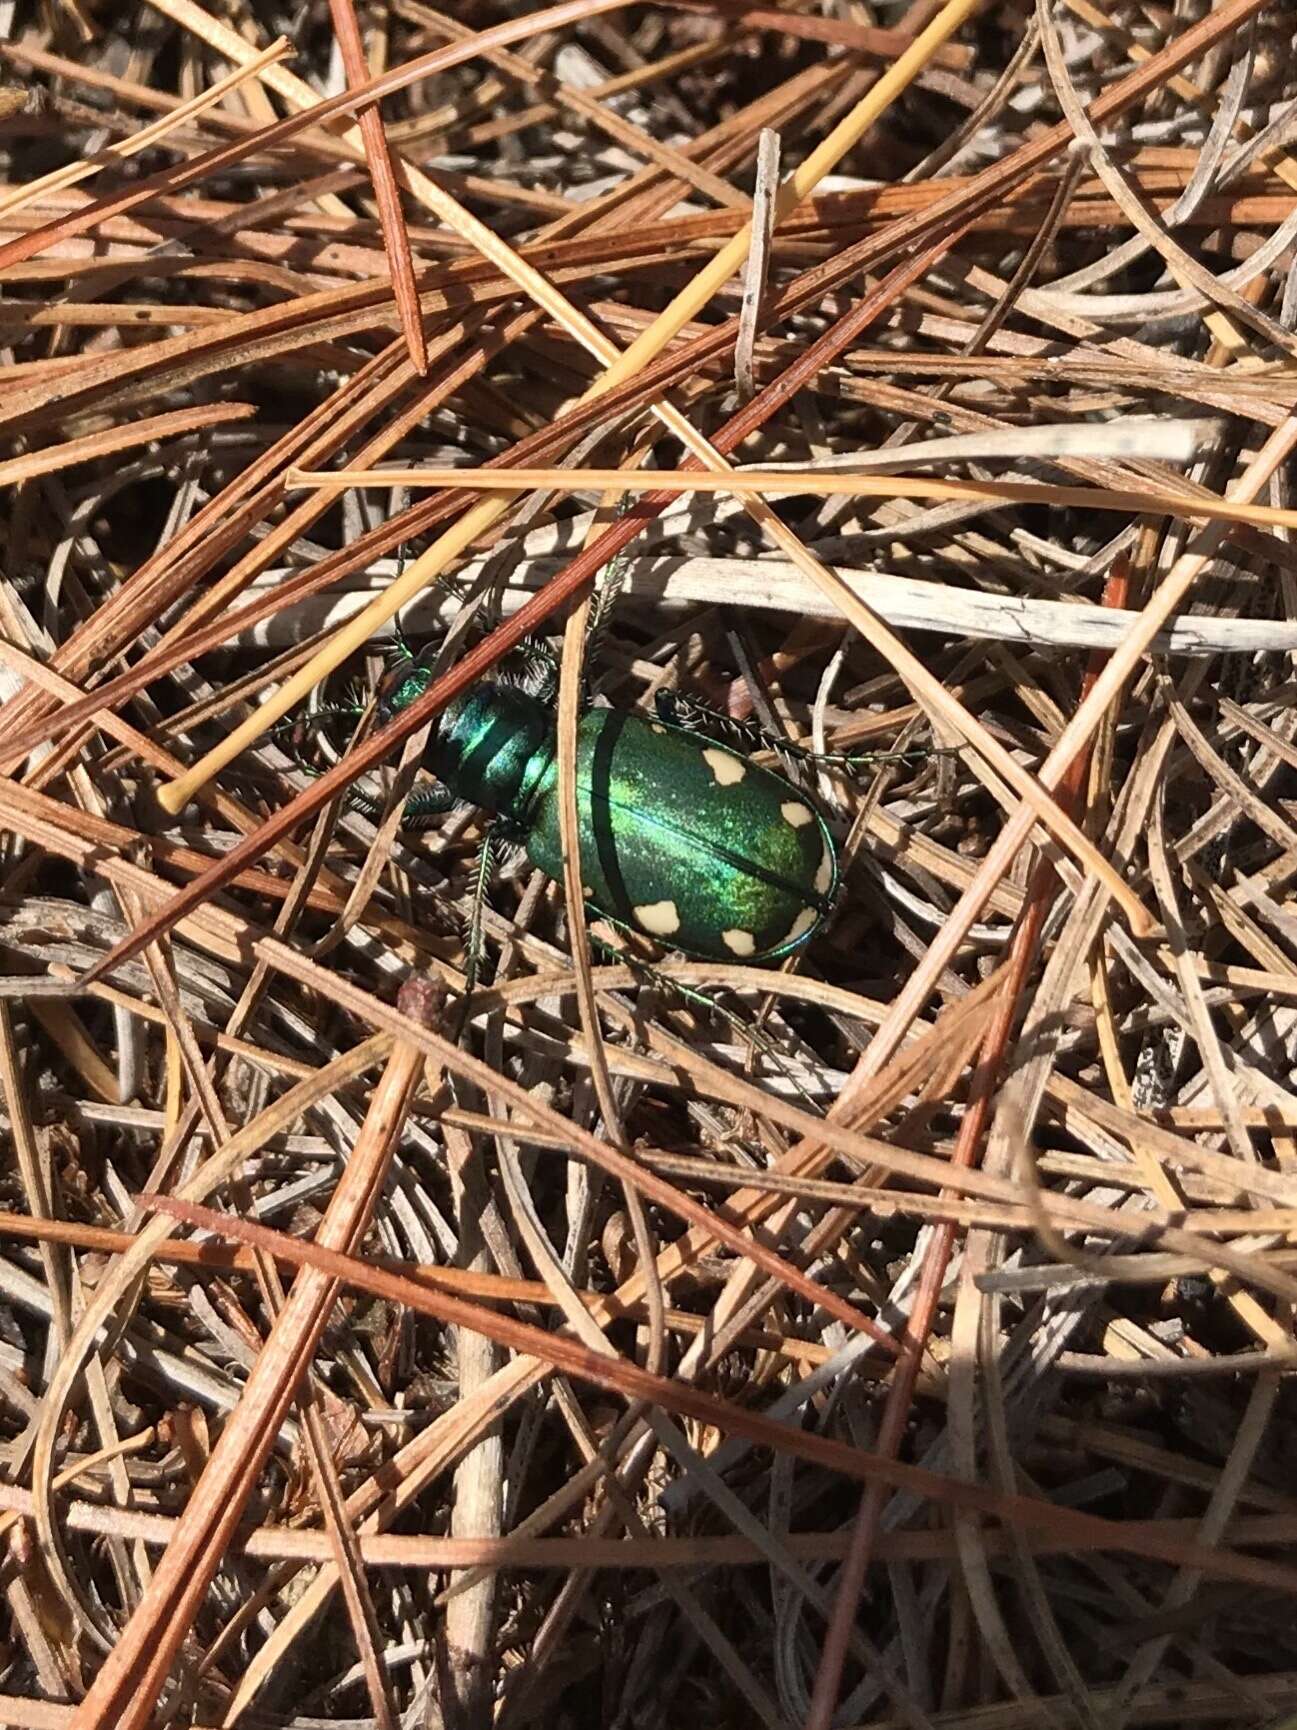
798 815
587 891
741 942
725 768
802 924
655 728
824 876
659 917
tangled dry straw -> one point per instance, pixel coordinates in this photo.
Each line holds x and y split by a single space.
901 1337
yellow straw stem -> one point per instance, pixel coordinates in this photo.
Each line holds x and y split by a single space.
770 483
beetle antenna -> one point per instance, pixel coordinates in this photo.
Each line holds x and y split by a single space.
402 643
677 709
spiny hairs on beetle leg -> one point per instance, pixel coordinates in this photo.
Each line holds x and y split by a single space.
680 710
426 802
532 667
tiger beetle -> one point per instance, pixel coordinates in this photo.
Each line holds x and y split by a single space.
682 836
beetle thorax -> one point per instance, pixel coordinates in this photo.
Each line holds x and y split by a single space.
492 747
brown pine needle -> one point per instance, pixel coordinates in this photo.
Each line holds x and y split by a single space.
386 196
755 483
628 1380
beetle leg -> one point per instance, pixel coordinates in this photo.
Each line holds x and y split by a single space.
608 586
427 801
678 710
855 762
743 1027
311 718
474 946
538 669
294 731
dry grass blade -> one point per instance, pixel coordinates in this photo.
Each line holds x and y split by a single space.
84 450
766 485
35 190
617 1164
758 263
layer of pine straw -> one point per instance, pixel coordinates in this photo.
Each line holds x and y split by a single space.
902 1337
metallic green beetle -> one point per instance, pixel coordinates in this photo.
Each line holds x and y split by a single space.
681 837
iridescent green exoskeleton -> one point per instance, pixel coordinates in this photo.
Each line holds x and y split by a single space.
681 837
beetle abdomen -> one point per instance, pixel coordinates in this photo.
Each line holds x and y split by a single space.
688 841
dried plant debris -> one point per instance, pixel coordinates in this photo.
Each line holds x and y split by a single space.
648 807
